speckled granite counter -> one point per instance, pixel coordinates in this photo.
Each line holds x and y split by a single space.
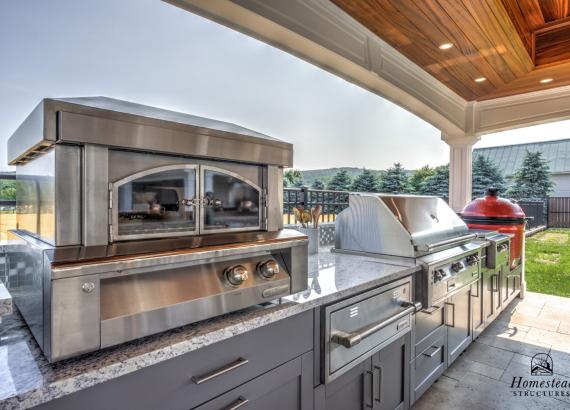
27 379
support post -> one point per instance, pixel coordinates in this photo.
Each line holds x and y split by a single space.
460 168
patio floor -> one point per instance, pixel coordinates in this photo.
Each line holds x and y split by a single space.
481 378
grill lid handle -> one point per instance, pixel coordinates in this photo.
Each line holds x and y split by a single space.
430 247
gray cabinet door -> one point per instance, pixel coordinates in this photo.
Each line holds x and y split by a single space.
351 391
477 315
287 387
391 371
458 322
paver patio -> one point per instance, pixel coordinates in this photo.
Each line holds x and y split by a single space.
481 378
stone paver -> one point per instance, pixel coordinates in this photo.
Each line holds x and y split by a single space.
482 376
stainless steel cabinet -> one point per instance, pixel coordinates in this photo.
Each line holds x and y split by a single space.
458 323
490 292
477 308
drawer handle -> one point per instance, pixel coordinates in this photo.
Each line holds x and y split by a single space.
432 310
241 401
453 314
218 372
437 349
351 339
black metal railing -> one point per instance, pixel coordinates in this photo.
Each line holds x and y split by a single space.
332 202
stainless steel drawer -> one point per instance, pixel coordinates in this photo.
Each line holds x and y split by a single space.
426 321
429 364
360 326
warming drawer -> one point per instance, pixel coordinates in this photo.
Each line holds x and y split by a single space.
362 325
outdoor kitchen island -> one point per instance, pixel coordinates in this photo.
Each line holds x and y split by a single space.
272 348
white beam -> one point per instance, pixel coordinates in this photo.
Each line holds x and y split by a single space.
460 169
521 110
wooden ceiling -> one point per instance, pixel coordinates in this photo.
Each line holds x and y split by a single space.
511 44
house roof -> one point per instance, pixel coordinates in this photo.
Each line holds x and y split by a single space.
509 157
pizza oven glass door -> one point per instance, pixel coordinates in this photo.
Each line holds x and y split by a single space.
160 202
229 202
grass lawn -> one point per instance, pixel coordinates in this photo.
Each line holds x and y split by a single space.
548 262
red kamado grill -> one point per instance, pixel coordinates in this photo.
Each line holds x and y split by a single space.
498 214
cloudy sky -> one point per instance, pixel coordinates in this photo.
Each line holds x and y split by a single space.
153 53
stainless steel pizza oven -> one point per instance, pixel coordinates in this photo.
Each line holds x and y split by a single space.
117 200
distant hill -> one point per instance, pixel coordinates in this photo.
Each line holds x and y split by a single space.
326 174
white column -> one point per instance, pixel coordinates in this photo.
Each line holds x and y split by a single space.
460 168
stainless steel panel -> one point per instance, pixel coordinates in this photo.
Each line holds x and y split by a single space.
400 225
68 195
35 197
75 320
458 322
95 195
177 139
274 186
429 365
125 163
33 136
358 312
120 329
111 122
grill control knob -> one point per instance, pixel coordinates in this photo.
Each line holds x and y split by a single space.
437 275
268 269
236 275
472 260
456 267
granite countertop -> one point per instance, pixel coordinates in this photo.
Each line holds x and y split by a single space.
27 379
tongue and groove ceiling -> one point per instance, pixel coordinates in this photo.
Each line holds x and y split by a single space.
512 44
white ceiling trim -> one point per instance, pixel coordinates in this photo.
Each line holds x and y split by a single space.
319 32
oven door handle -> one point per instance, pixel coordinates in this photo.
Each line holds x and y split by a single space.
351 339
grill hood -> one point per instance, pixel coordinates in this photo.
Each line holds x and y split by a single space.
399 225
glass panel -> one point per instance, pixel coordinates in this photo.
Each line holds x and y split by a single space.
158 203
230 203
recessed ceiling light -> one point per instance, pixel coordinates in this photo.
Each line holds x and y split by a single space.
546 80
480 79
445 46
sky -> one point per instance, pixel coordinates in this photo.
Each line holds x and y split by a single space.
153 53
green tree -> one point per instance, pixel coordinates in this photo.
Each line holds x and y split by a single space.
293 178
341 181
532 180
318 184
486 175
365 182
8 190
438 183
419 176
394 180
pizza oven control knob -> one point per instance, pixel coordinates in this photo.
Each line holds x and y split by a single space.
236 275
456 267
437 276
268 269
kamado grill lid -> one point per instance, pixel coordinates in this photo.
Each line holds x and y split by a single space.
493 209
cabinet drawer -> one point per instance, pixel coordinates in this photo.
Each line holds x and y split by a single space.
429 365
194 378
427 321
287 387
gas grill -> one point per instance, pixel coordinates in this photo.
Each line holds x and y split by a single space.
413 229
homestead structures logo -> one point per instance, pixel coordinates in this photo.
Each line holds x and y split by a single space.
542 382
541 365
